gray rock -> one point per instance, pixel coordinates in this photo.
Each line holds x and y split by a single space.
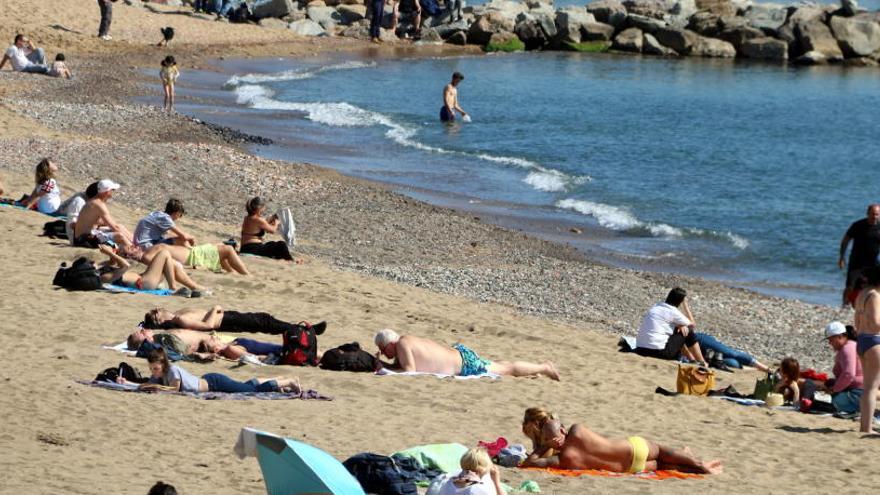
646 24
807 13
720 7
849 8
815 36
351 13
764 49
629 40
684 8
447 30
860 62
596 31
676 21
649 8
357 31
766 16
539 4
738 36
705 23
811 58
431 35
547 23
493 21
272 23
679 40
609 12
569 23
502 38
651 46
856 38
528 30
327 17
306 27
711 47
457 38
272 8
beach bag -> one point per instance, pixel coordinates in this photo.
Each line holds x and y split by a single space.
300 346
124 370
765 386
693 380
379 474
81 275
56 229
348 357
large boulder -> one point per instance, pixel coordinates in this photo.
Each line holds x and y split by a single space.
710 47
547 23
719 7
327 17
651 46
815 36
306 27
570 22
504 42
489 23
596 31
807 13
764 49
457 38
447 30
738 36
705 23
766 16
679 40
509 7
629 40
272 8
272 23
649 8
531 34
856 37
351 13
811 58
610 12
646 24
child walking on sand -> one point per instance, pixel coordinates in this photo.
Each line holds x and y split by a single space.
59 69
169 74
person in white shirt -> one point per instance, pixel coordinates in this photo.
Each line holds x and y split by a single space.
667 332
24 57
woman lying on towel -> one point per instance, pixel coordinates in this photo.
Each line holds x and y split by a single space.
255 227
167 376
577 447
161 269
214 257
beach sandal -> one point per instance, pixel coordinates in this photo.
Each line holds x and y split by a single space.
183 292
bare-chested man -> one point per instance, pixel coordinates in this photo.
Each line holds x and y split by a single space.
412 353
95 225
580 448
450 99
217 318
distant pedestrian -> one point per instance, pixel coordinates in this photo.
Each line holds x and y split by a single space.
169 74
865 237
106 7
450 99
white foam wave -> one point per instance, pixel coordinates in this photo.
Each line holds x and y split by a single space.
296 74
546 180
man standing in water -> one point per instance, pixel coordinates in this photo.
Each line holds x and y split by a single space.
450 100
865 236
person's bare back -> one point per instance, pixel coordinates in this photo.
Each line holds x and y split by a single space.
424 355
90 217
586 449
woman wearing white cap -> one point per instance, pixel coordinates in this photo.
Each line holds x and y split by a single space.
848 383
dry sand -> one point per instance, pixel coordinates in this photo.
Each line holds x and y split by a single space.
61 437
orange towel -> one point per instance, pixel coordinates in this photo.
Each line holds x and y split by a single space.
648 475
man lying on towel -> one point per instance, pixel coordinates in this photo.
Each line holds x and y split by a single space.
579 448
222 320
412 353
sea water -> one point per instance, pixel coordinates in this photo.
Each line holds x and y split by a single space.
745 172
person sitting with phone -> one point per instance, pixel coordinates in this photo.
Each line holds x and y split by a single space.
255 227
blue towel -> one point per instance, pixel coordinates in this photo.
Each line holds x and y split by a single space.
155 292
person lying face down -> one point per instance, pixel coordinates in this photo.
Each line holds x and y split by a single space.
411 353
577 447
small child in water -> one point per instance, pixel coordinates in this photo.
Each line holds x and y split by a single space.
169 74
59 69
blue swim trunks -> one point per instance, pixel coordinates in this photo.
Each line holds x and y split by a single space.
471 363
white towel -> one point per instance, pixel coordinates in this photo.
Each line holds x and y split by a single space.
387 372
121 347
286 227
246 445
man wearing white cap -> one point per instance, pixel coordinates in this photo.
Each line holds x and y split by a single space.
95 225
848 383
411 353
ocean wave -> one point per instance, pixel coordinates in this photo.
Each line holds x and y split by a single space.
341 114
295 74
620 219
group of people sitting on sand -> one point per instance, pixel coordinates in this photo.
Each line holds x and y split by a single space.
24 57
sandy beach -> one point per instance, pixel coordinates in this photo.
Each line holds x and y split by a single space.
371 259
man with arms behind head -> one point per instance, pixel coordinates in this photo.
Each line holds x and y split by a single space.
411 353
865 237
24 57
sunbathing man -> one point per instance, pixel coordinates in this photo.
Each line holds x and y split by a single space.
411 353
202 345
94 225
217 318
580 448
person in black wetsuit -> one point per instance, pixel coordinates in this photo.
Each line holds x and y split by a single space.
255 227
865 237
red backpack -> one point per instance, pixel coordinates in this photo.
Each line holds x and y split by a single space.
300 346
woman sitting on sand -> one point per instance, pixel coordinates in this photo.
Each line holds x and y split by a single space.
162 267
478 476
214 257
255 227
167 376
46 196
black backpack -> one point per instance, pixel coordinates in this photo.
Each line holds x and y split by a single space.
56 229
348 357
81 275
300 346
124 370
379 474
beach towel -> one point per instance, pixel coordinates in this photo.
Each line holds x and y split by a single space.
129 387
286 227
387 372
445 457
128 290
648 475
